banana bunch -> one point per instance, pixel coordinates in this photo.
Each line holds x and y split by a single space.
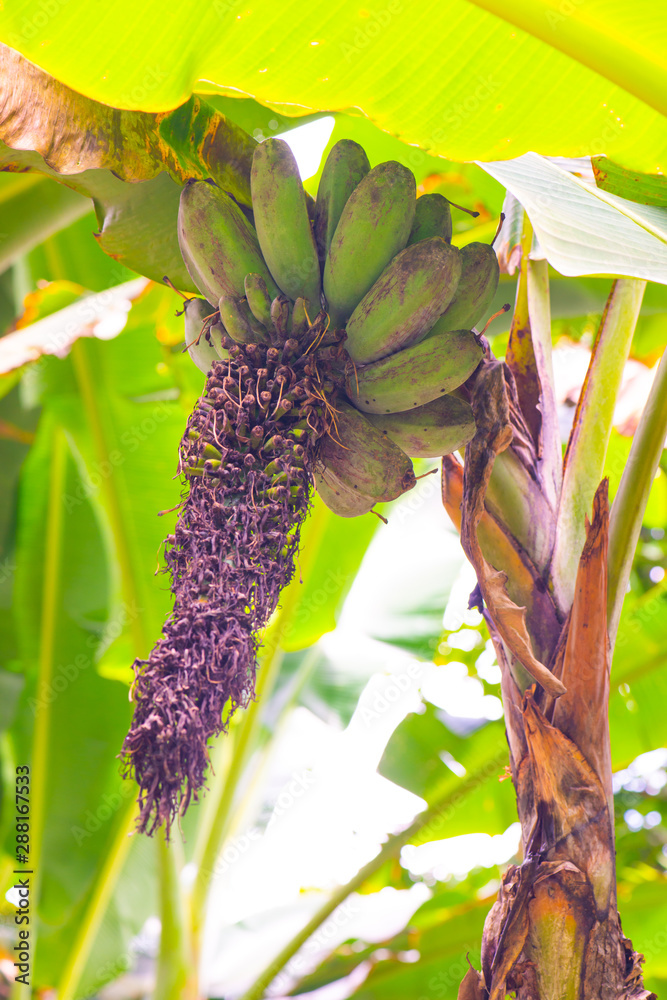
360 291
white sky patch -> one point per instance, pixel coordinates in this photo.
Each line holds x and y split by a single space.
465 638
486 665
308 143
458 855
12 896
331 812
457 612
451 688
408 566
647 773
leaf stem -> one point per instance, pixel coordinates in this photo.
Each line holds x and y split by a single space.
49 621
102 890
89 395
587 447
176 976
633 492
107 877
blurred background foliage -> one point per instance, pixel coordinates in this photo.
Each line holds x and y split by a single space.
374 704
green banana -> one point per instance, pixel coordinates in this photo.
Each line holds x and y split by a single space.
282 223
340 499
258 298
433 217
281 313
363 459
310 207
345 166
477 286
203 347
240 323
436 428
299 321
406 300
218 244
417 374
374 226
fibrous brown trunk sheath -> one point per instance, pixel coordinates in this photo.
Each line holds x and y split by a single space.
554 933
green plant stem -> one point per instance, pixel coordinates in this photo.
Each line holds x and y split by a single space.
120 552
53 554
121 549
587 448
633 492
435 815
176 976
102 890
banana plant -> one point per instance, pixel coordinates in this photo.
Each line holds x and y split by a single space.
552 562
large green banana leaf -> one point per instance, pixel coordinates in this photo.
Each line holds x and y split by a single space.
488 80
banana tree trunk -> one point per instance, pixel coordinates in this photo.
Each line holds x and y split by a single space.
554 932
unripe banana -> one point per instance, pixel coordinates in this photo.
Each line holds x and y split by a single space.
477 286
340 499
240 323
258 298
202 353
374 226
218 244
203 347
404 303
415 375
282 223
436 428
363 459
299 322
281 312
433 217
310 207
346 165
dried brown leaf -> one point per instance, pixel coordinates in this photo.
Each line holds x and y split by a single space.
472 986
583 659
47 126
